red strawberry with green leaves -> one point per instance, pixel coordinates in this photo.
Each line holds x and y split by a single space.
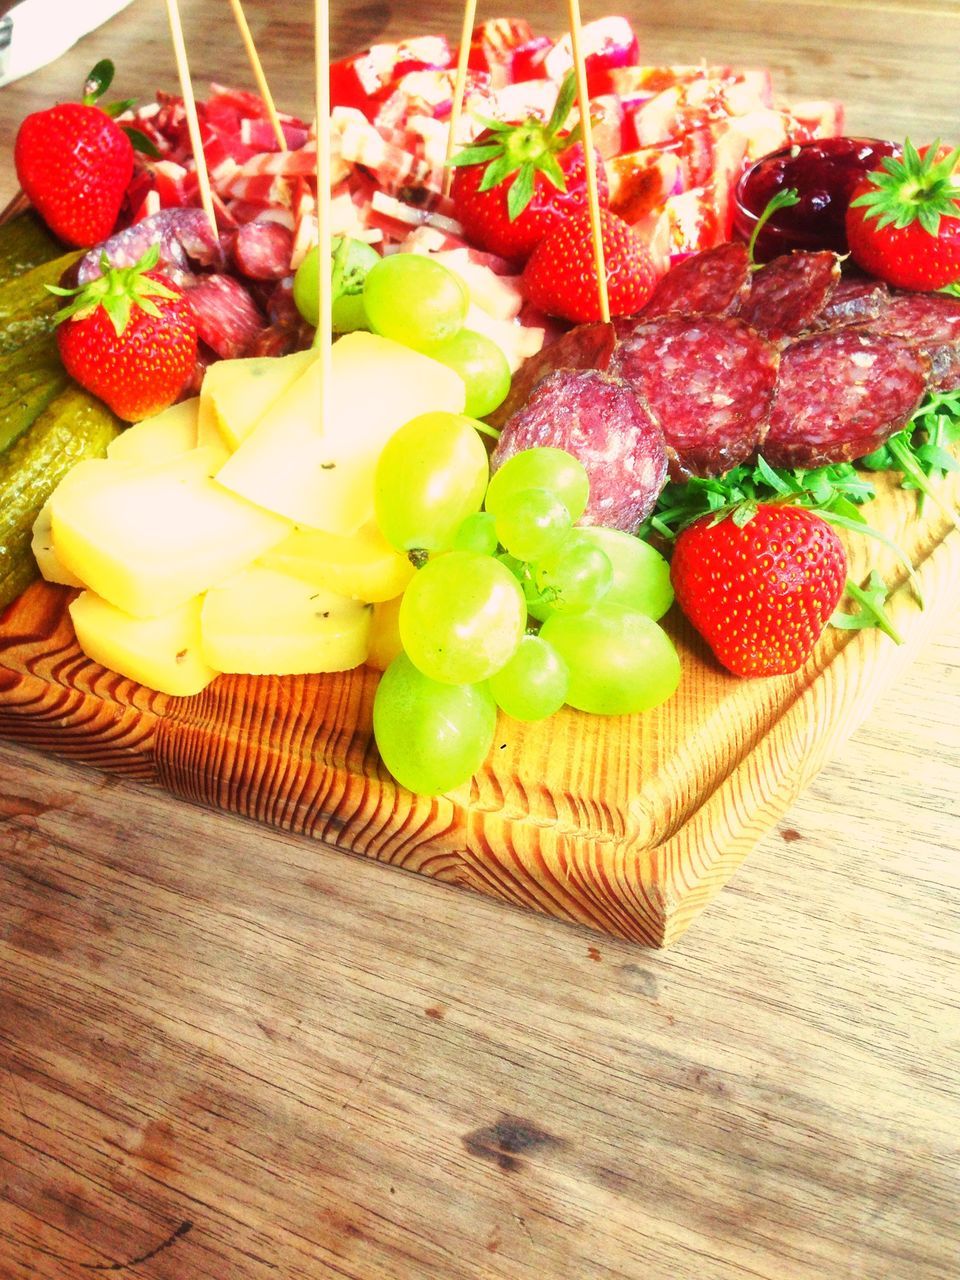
759 584
75 162
903 220
560 277
128 336
517 181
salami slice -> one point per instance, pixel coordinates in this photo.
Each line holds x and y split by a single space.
931 322
856 300
226 316
602 422
842 394
182 235
262 250
710 382
788 294
588 346
711 283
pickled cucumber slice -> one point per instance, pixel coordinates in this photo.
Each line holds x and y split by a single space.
25 243
27 308
30 378
73 426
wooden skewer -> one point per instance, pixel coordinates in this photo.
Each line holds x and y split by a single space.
190 107
256 66
459 88
589 159
323 339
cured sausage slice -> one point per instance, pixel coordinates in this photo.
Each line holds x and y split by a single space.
588 346
788 294
931 322
262 250
602 422
855 300
710 383
710 283
842 394
181 234
226 317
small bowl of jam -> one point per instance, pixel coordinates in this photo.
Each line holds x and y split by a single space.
824 174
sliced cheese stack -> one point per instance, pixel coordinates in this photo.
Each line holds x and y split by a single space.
235 532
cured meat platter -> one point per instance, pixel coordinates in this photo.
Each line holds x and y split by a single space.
627 823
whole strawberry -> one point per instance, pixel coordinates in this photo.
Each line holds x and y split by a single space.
903 221
129 337
75 164
560 277
759 588
517 181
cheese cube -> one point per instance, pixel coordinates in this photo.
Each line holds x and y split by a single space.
147 538
320 473
161 653
267 623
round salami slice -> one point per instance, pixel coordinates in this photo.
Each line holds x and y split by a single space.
855 300
226 316
931 321
603 423
262 250
588 346
710 382
712 283
842 394
788 294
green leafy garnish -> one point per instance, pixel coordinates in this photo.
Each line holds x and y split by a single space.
782 200
838 487
921 451
871 612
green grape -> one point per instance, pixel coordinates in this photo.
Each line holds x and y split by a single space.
413 300
430 476
533 684
620 661
431 736
461 617
530 522
347 284
641 576
482 366
573 576
476 533
553 469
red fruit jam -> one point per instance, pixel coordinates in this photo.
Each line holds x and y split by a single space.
824 173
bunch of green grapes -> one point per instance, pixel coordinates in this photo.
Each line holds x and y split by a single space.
513 606
415 301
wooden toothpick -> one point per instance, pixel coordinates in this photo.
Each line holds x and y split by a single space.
459 88
589 159
256 66
323 339
190 107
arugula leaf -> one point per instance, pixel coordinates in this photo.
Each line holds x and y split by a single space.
871 612
921 451
837 487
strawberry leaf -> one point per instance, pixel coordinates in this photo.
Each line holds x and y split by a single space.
476 155
142 143
913 188
563 105
114 109
520 193
98 81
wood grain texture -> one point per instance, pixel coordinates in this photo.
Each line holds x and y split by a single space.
231 1053
629 824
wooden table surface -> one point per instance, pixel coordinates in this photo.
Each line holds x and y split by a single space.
227 1054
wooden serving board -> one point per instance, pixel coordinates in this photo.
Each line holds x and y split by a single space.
629 825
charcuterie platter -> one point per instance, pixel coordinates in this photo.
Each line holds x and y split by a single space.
629 807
